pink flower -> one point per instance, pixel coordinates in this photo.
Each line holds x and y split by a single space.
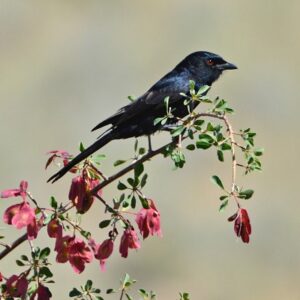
242 226
21 215
16 286
79 255
54 229
42 293
129 240
62 248
22 191
80 192
148 220
104 251
73 250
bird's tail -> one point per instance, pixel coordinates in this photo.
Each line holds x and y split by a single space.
83 155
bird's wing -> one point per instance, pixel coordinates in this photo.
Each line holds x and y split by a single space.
170 85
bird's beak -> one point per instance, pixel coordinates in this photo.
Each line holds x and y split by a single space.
226 66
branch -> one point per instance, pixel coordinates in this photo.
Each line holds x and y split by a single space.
143 159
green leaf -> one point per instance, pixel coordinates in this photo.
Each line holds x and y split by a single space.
74 293
104 223
220 155
110 291
136 143
216 180
81 147
192 84
119 162
98 158
177 131
44 253
203 144
223 205
133 202
88 285
128 296
142 151
246 194
46 272
131 98
203 89
138 170
225 146
158 120
258 151
20 263
144 202
199 122
24 257
53 202
222 198
144 180
190 147
121 186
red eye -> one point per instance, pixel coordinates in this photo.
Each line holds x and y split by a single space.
210 62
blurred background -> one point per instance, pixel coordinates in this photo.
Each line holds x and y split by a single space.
66 65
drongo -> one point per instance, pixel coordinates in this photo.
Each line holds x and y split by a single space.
137 118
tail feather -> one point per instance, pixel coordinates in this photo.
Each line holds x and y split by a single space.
83 155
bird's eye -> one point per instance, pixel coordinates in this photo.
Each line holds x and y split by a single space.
210 62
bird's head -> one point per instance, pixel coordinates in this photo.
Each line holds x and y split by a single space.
205 67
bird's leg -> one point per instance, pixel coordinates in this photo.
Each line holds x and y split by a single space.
149 144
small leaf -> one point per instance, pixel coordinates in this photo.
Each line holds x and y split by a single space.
203 144
246 194
144 180
74 293
119 162
223 205
53 202
177 131
158 120
225 146
133 202
136 143
121 186
220 155
258 151
88 285
190 147
24 257
46 272
203 89
110 291
20 263
104 223
144 202
44 253
138 170
216 180
222 198
81 147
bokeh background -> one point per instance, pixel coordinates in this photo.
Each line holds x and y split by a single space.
66 65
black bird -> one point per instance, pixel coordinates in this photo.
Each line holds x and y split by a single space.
137 118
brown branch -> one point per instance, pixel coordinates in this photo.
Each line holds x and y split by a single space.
14 245
143 159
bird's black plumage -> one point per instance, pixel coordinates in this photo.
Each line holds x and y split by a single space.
137 118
